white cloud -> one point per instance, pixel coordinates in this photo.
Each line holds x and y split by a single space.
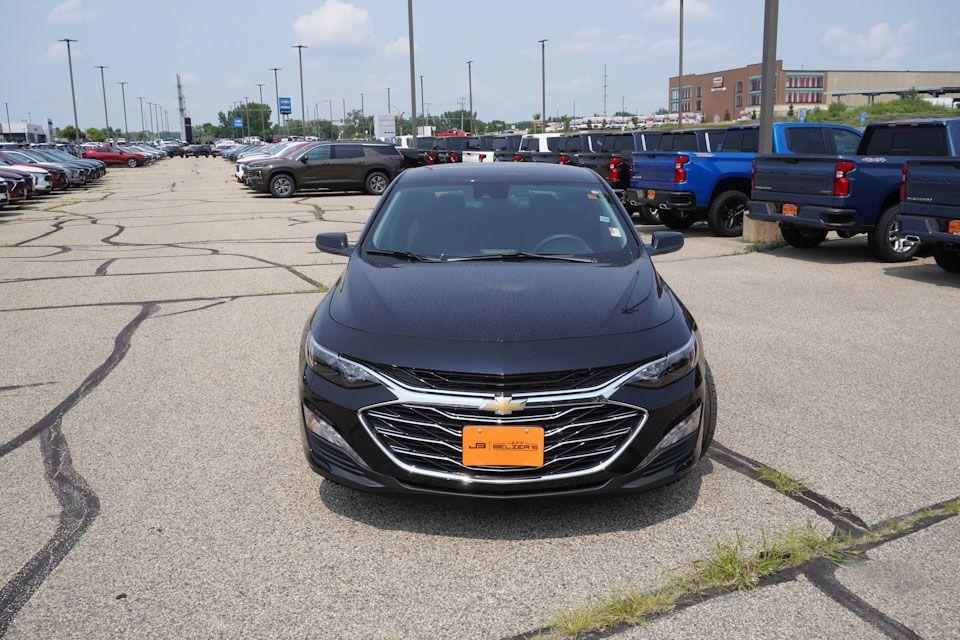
879 46
693 10
595 40
336 26
399 47
72 12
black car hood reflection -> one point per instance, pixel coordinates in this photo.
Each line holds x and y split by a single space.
499 301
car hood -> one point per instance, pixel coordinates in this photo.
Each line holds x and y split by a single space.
499 301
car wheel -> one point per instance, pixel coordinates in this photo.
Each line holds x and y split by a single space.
282 186
947 259
709 409
803 238
726 214
885 240
376 183
132 163
678 220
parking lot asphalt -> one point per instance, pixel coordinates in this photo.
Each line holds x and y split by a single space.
154 482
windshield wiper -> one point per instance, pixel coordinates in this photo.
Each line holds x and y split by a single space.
404 255
521 255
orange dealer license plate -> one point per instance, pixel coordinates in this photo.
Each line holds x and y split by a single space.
789 209
495 446
651 194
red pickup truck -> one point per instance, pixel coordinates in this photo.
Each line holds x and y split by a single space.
112 155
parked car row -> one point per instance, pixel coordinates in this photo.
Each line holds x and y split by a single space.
27 172
130 155
283 169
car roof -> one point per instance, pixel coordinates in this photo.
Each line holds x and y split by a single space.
455 173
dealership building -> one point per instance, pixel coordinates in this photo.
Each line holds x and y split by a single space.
735 91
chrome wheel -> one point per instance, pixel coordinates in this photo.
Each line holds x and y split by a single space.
377 183
282 186
897 242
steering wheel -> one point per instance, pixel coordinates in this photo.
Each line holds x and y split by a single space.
577 243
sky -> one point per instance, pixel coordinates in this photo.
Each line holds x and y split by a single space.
223 49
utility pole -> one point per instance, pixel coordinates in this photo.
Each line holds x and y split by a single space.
388 100
413 73
73 94
276 91
343 120
680 77
423 105
604 91
7 107
263 127
123 94
462 101
303 105
470 89
246 116
103 85
755 230
623 104
574 109
363 119
543 82
143 126
330 106
182 109
150 111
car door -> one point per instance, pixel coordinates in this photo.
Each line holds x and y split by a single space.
348 165
317 169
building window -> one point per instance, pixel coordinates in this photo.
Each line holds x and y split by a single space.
739 101
755 99
797 80
699 89
687 93
686 105
699 105
739 87
755 83
674 93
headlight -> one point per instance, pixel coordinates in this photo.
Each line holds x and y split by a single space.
331 366
669 368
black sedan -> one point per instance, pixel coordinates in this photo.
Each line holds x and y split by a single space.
501 332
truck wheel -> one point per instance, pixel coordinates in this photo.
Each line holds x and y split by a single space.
376 183
803 238
678 220
131 163
885 240
949 260
282 186
726 213
709 409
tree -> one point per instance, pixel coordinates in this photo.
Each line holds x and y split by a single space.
661 111
96 135
69 132
726 115
256 119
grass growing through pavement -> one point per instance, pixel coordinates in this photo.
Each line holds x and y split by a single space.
781 481
761 247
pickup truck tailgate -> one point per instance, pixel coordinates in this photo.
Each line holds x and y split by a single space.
935 181
598 162
809 175
653 166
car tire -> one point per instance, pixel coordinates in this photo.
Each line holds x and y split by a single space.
677 220
282 185
725 217
947 259
884 239
132 163
376 183
709 409
803 238
647 215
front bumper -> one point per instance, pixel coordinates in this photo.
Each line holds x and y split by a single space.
927 229
816 217
679 200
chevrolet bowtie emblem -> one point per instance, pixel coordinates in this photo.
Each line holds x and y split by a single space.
504 405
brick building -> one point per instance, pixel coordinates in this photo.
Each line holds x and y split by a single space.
734 91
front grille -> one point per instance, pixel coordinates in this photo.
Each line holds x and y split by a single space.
509 384
577 438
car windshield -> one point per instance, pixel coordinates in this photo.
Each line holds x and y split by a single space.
515 219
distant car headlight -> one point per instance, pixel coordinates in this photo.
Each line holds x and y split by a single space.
669 368
330 365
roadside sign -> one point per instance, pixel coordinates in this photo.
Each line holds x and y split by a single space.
237 122
802 115
384 126
286 106
863 117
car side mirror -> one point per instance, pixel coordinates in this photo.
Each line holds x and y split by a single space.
335 243
303 159
665 242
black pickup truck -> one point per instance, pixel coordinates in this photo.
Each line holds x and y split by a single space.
566 147
447 149
613 163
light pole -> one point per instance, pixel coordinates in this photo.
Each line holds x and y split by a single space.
388 99
303 105
413 73
680 77
363 119
150 111
470 89
73 94
276 91
543 82
143 126
343 120
103 85
123 94
423 105
330 106
263 126
246 115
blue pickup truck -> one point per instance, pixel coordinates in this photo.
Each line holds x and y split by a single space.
930 207
850 193
693 184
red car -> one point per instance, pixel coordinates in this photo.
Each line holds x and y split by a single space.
112 155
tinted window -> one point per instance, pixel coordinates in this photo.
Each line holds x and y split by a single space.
459 218
678 142
346 151
529 144
552 143
503 144
423 143
845 141
474 143
715 139
382 150
618 143
573 144
906 141
595 140
741 140
454 143
806 140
